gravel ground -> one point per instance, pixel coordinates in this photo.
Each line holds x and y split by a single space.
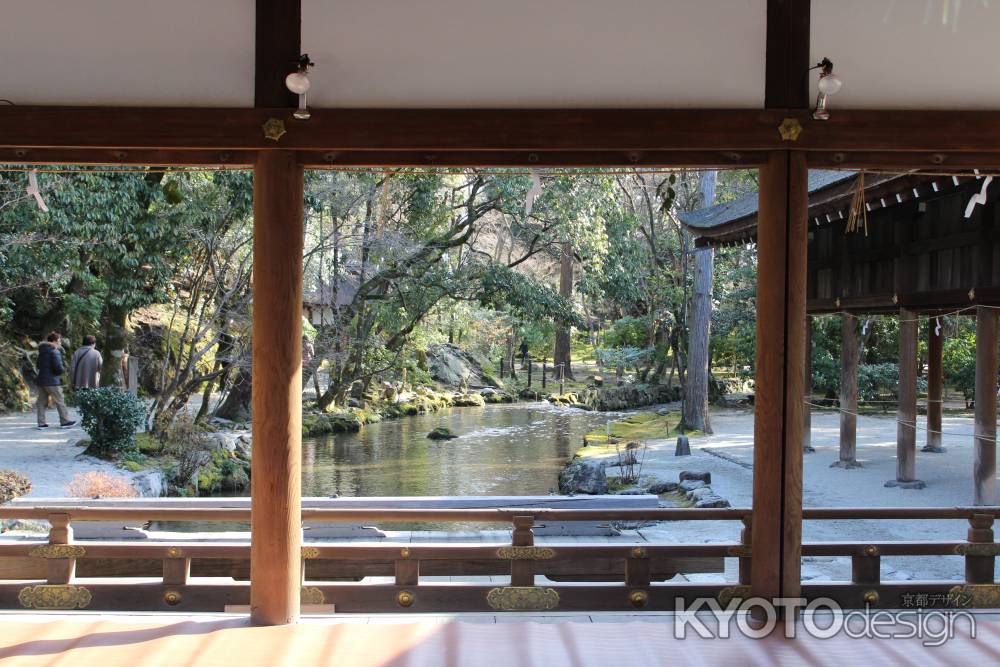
728 455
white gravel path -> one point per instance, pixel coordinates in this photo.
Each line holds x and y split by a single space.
48 457
948 477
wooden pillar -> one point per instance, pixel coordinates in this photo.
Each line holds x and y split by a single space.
935 387
780 374
848 393
807 406
276 479
906 415
984 461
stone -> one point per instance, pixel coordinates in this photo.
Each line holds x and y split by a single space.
223 441
700 493
468 401
683 446
688 485
912 484
696 475
662 487
453 366
712 501
441 433
630 492
150 484
584 475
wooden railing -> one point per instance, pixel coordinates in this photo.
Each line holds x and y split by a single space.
578 576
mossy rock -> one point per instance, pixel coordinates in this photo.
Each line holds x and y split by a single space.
469 401
441 433
569 398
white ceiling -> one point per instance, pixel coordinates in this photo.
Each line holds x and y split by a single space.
127 52
536 53
497 53
920 54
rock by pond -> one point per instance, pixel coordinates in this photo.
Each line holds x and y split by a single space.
441 433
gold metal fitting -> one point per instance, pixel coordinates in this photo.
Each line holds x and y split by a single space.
405 598
404 552
638 598
174 552
638 552
172 598
871 550
870 597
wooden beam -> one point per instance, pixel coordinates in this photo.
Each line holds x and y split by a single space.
276 476
984 466
425 130
935 386
786 83
949 133
780 377
278 34
903 161
848 393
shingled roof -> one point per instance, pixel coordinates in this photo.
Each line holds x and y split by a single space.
745 208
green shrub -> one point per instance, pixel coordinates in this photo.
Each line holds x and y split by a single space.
628 332
959 364
12 485
110 416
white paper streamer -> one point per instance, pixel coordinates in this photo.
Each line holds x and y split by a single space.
979 198
33 190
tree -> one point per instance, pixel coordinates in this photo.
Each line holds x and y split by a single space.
561 356
699 360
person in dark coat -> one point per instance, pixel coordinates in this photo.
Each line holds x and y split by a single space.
50 367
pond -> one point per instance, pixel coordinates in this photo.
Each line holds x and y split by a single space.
515 449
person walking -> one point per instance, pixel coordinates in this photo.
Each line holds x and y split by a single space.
50 367
85 366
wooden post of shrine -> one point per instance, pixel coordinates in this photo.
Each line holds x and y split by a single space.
935 386
276 475
906 415
848 393
807 406
780 380
984 461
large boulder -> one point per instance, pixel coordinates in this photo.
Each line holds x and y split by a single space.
150 483
584 475
453 366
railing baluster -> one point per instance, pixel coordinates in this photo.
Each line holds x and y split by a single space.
522 572
746 539
979 566
407 572
60 570
637 568
176 571
866 567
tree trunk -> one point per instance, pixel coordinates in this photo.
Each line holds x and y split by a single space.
696 388
236 407
561 354
115 338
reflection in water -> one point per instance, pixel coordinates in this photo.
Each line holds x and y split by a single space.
501 450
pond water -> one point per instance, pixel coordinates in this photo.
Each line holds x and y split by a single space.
515 449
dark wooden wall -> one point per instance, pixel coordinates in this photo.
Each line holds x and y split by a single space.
921 253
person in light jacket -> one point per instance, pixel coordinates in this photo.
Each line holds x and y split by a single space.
50 367
85 366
